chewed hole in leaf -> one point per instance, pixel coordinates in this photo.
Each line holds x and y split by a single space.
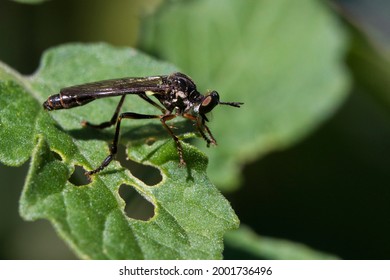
137 207
148 174
78 178
56 156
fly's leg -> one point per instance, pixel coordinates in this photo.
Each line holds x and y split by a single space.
114 146
164 118
201 125
150 101
212 139
113 119
179 148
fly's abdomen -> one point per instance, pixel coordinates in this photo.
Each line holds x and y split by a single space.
64 101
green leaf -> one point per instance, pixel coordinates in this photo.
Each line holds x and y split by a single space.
190 215
270 248
283 59
17 123
369 64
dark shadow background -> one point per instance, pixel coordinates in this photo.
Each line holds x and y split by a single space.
331 191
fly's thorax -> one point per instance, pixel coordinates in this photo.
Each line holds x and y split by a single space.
183 95
179 102
181 82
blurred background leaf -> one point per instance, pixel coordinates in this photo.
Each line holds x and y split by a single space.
283 59
369 63
245 243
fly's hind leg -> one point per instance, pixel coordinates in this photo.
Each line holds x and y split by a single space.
130 115
108 123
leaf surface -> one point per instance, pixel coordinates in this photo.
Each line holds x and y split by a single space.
190 215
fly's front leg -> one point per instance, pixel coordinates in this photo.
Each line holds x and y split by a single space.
113 119
114 146
212 139
201 126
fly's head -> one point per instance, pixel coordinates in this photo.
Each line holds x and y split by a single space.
211 100
185 97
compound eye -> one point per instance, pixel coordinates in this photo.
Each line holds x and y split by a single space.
209 102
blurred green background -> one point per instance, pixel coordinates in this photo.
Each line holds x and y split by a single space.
328 191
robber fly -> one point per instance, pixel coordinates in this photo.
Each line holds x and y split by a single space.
176 93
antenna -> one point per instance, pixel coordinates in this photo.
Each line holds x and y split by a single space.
234 104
